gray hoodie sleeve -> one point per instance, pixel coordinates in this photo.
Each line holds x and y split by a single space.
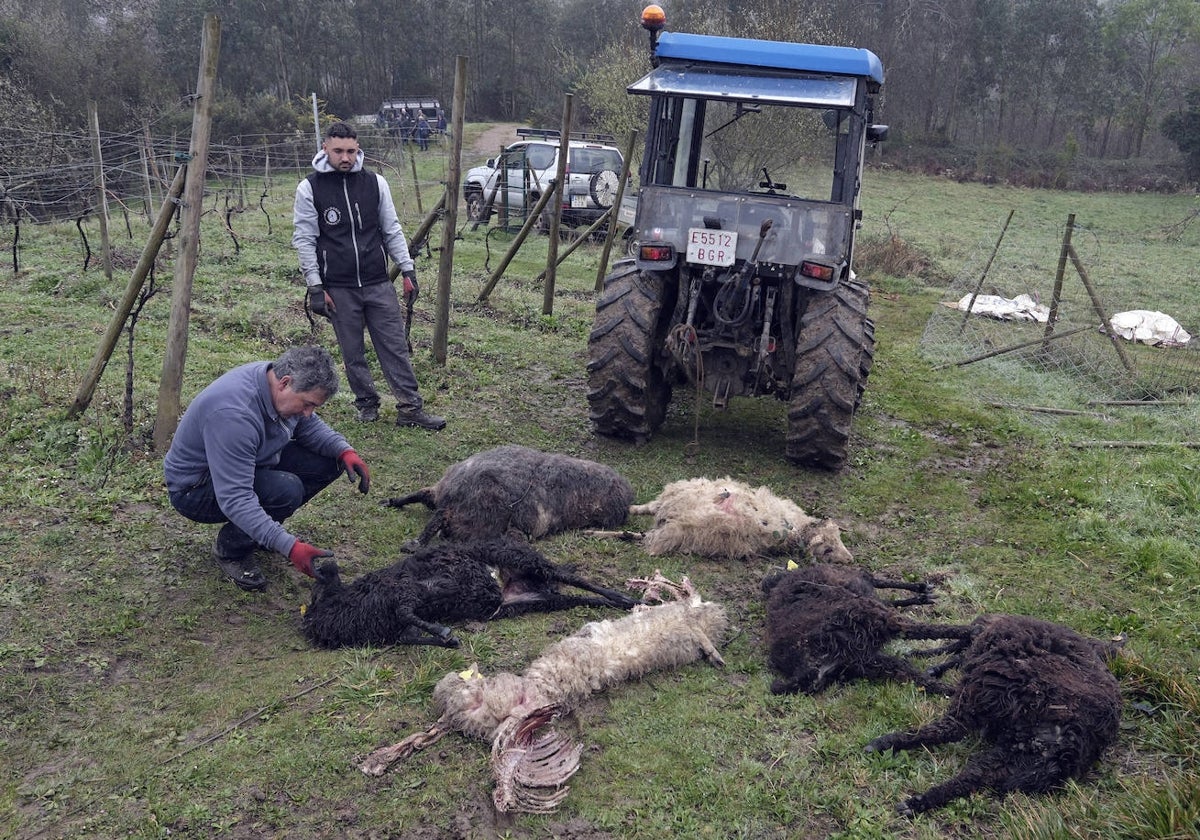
389 224
305 231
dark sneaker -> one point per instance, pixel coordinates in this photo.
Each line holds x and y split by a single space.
368 414
243 571
420 419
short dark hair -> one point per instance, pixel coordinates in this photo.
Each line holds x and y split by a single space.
311 369
339 128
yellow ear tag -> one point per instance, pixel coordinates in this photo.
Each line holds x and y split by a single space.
303 609
471 673
792 565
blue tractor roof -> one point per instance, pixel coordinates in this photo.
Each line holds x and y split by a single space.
750 52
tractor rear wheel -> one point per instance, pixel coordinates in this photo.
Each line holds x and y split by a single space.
628 391
833 358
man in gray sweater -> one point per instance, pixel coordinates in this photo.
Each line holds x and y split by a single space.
249 451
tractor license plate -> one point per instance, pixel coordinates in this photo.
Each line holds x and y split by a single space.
711 247
579 201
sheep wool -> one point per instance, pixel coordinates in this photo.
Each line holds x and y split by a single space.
729 519
530 761
518 491
1039 695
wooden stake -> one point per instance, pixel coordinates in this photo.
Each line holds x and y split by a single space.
102 192
615 212
158 233
983 275
564 149
441 325
171 383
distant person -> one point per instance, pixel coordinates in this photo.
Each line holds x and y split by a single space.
344 214
250 451
441 121
422 133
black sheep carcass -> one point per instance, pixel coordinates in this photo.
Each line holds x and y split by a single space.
412 601
825 624
1039 693
518 491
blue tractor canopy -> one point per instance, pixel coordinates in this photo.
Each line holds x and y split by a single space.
744 130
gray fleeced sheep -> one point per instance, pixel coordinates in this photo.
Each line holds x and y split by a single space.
728 519
518 491
1040 694
531 763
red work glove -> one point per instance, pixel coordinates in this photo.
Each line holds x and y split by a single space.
411 289
303 554
354 465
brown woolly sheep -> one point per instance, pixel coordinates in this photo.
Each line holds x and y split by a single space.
728 519
532 765
410 601
825 624
1039 693
515 490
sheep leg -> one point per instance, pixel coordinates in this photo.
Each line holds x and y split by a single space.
424 496
923 592
625 536
435 634
611 597
945 730
552 602
917 630
990 770
709 651
886 667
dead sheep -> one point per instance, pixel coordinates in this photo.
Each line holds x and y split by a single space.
1039 693
825 625
411 601
515 490
530 760
728 519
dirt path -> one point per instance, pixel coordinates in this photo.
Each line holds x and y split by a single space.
495 138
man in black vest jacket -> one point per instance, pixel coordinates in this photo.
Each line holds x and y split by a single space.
345 230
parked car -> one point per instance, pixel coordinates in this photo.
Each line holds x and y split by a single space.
529 167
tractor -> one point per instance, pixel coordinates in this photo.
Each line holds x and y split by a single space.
739 280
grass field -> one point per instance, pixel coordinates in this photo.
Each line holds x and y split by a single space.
143 696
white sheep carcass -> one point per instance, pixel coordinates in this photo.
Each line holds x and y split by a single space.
530 760
728 519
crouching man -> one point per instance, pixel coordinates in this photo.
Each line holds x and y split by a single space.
250 451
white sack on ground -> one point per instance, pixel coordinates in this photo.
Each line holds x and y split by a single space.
1148 327
1020 308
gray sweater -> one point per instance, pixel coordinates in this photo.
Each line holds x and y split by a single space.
229 429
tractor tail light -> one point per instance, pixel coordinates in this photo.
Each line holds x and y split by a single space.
816 271
656 252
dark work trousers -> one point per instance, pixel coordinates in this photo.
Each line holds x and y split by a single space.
375 308
281 489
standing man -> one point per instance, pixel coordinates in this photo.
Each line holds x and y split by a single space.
249 452
345 230
423 133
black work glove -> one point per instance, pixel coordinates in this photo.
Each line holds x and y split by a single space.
317 302
411 289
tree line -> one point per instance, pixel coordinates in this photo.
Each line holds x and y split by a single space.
1103 79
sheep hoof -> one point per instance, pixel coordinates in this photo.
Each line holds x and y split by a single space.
905 808
880 744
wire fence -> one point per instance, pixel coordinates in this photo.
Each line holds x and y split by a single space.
1024 319
138 168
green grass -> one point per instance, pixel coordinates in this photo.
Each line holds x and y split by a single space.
144 697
